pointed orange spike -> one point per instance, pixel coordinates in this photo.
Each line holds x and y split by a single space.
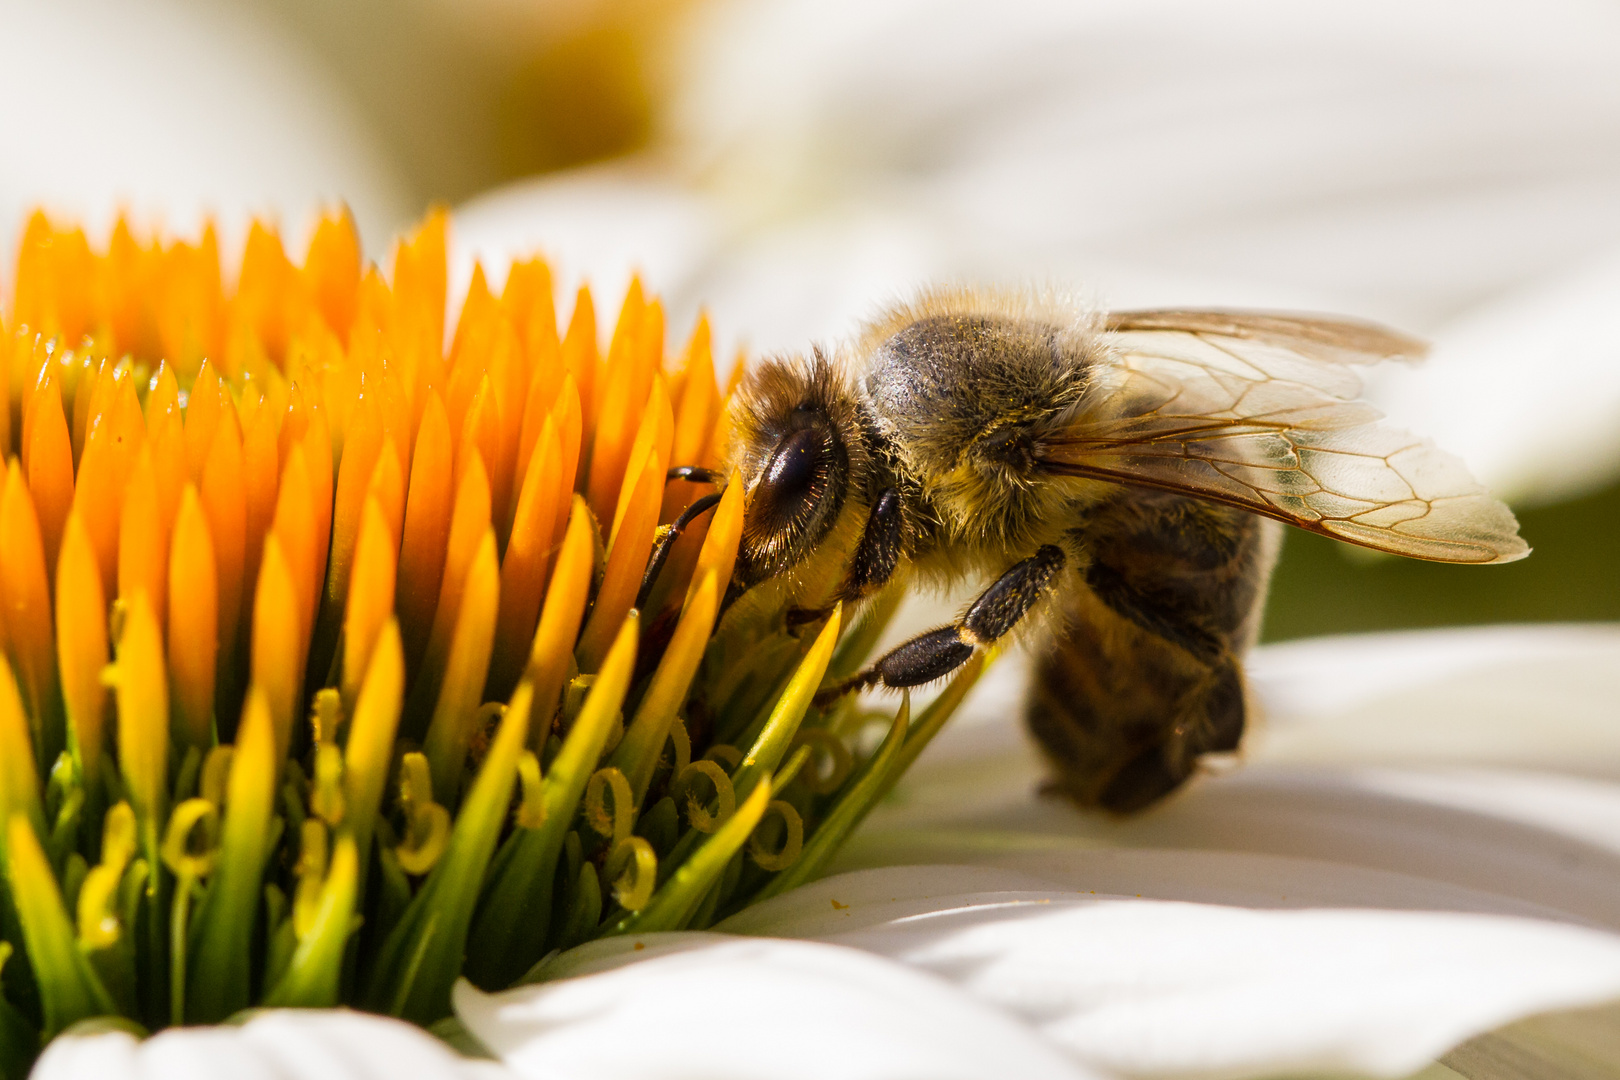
143 541
263 288
294 525
694 419
650 339
193 623
6 395
579 357
616 411
166 440
466 668
370 598
81 642
128 426
131 283
719 552
469 520
528 302
719 449
203 408
538 401
50 469
66 272
361 447
332 270
427 529
652 437
523 569
294 423
627 561
388 488
87 400
97 495
26 412
506 387
560 616
482 437
225 501
189 311
398 422
277 657
143 714
163 396
622 346
476 310
26 593
33 275
318 458
419 274
566 414
261 473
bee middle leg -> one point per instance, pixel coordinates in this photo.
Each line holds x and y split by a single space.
993 615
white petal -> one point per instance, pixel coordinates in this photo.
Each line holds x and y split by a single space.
104 1055
1500 841
1155 988
1357 789
710 1007
313 1044
1530 696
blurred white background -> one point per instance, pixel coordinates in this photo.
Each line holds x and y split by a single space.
1449 166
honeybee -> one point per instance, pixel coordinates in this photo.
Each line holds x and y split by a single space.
1121 475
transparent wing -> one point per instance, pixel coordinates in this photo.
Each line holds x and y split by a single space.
1267 423
1315 337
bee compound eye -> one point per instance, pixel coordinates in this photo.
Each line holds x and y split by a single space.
794 475
797 463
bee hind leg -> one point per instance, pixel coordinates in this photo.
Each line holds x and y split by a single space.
992 616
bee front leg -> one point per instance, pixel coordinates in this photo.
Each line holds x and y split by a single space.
695 473
992 616
667 535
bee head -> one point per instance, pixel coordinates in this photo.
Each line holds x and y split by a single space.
795 439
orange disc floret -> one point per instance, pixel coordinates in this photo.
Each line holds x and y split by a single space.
327 620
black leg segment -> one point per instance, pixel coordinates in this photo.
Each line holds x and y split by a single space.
924 659
694 473
1009 599
666 541
939 652
874 560
878 553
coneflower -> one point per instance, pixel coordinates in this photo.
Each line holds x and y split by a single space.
341 666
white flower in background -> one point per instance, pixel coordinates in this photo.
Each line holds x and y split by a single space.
174 109
1420 845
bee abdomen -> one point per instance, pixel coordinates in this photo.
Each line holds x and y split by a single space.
1143 677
